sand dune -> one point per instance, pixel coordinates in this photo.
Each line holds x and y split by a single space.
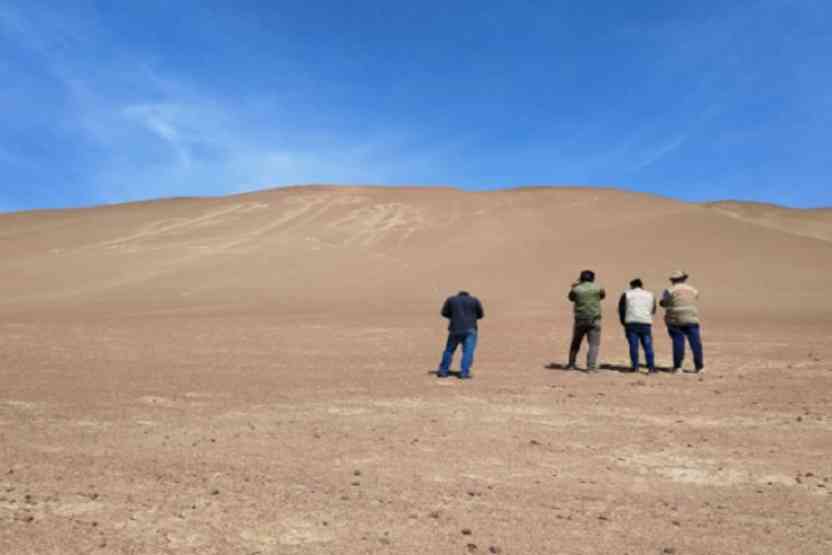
250 374
816 223
316 244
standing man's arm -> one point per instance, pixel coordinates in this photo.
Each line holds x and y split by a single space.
622 309
572 294
653 311
603 294
480 312
665 302
446 308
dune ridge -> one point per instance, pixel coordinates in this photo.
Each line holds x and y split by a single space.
378 242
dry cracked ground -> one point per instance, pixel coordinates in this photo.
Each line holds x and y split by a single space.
249 401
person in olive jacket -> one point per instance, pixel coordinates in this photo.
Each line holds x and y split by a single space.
463 311
586 296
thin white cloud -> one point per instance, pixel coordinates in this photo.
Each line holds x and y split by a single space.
217 148
156 134
154 118
654 154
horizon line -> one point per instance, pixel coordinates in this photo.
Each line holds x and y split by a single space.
446 187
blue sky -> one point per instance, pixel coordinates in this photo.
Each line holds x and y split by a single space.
118 101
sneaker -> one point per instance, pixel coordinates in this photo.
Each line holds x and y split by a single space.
465 376
676 371
652 371
441 374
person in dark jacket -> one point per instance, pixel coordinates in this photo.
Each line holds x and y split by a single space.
463 311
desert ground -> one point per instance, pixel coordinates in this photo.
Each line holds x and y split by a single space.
252 375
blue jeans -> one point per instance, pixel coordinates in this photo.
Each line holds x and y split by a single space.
640 333
678 334
469 344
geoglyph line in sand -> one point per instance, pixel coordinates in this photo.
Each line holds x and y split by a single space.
287 218
210 216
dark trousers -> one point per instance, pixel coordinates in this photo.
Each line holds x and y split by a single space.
640 333
678 335
592 331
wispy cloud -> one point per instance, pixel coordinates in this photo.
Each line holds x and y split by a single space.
98 109
153 134
652 155
194 144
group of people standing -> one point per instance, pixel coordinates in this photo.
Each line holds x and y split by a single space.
636 309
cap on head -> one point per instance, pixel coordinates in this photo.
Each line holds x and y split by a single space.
587 275
678 275
636 283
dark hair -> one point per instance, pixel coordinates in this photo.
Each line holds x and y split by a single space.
636 283
587 275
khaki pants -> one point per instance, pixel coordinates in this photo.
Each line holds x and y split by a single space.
592 330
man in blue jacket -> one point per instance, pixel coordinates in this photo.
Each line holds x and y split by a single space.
463 311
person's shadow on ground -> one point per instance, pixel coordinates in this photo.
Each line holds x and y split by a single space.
451 373
612 367
559 366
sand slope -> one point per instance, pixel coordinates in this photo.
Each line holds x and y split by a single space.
816 223
353 246
251 374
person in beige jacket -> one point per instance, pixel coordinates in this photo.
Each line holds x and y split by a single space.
635 310
682 318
